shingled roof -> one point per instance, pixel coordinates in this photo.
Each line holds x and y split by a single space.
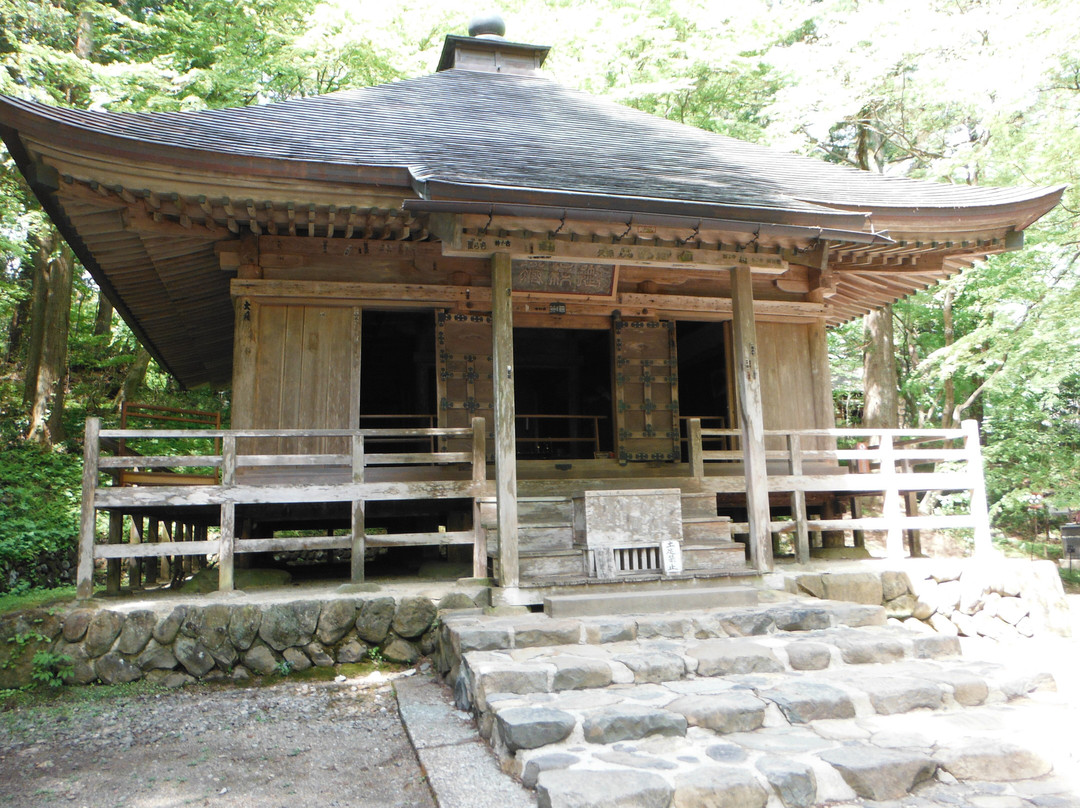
365 163
515 137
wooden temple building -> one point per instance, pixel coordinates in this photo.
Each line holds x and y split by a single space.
478 308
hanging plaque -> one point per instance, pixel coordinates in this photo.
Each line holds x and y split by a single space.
564 278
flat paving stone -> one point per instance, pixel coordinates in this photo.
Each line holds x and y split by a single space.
992 761
734 711
893 694
654 667
726 657
577 673
533 727
630 722
581 788
803 702
718 787
793 782
879 774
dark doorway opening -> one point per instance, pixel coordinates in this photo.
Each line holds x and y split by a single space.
704 390
397 369
562 388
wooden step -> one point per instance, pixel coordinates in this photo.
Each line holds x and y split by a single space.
706 529
535 539
548 566
698 505
532 512
646 602
705 558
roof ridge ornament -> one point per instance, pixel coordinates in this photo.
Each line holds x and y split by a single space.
489 24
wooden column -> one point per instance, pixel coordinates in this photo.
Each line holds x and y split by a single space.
980 513
112 566
85 574
359 536
479 475
892 504
798 501
226 547
134 565
693 448
751 418
153 567
502 337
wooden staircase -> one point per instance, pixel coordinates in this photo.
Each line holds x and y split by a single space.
548 553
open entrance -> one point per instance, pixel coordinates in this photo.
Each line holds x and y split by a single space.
563 393
704 390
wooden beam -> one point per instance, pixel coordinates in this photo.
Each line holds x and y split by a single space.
87 519
747 372
228 545
502 336
357 521
980 512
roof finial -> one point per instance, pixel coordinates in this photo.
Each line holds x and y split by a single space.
487 25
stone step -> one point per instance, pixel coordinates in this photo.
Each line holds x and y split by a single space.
729 555
806 743
699 529
649 602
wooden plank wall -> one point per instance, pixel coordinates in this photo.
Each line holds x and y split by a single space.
790 380
301 364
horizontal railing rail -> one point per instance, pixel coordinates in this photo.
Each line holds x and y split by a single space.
883 462
225 491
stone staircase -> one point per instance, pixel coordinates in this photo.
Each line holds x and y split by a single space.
795 703
548 552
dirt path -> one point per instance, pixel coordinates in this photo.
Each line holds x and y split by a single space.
290 745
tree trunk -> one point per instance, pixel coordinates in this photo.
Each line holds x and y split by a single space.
20 316
103 319
134 378
949 414
881 409
47 373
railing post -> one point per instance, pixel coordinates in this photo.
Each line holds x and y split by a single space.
891 506
135 565
227 546
798 499
228 460
87 519
358 536
694 448
112 566
479 475
980 511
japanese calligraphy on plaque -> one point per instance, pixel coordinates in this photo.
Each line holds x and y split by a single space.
564 278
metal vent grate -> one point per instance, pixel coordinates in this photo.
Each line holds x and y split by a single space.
628 560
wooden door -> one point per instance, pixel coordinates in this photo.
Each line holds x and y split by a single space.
646 391
463 377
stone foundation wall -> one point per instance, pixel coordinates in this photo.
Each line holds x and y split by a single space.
1000 599
237 641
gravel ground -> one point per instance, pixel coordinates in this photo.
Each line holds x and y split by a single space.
288 745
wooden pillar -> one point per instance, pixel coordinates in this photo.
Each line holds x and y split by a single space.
226 546
479 475
185 560
116 536
693 448
134 565
151 569
358 543
751 418
502 337
87 519
891 508
798 501
980 513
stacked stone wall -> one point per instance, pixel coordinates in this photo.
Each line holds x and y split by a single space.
998 599
237 641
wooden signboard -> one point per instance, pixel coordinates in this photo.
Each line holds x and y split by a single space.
564 278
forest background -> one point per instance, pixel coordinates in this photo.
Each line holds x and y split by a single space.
962 91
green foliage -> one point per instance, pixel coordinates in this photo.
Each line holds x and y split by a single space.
21 598
51 669
39 508
283 668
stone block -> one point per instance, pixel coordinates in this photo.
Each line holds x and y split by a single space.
792 781
1012 610
894 694
576 673
801 619
894 584
808 656
727 657
618 788
454 601
335 620
624 722
260 660
532 727
244 625
136 632
811 584
879 774
598 632
655 667
545 763
351 652
296 658
373 621
195 658
943 625
747 623
858 614
401 650
512 678
854 587
75 624
901 607
318 655
113 669
735 711
992 760
662 626
718 787
802 702
859 648
102 632
935 646
413 617
480 638
547 632
287 624
156 657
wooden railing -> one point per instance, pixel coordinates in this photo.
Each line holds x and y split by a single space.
230 492
883 462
